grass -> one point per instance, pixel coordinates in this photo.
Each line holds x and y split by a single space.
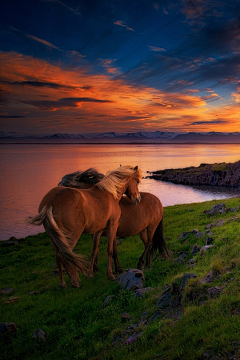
78 324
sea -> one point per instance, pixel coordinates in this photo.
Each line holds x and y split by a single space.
29 171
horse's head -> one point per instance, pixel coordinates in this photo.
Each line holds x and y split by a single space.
132 190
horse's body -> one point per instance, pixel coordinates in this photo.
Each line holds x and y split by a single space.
66 213
145 219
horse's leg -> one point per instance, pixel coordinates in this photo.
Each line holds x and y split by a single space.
144 237
62 283
96 243
95 265
111 237
118 269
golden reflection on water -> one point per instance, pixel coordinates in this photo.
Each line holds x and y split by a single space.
30 171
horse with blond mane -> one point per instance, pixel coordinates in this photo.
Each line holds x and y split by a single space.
66 213
145 219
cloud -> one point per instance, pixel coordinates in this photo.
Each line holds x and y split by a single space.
11 116
213 122
122 23
84 99
63 103
107 64
75 11
41 84
44 42
155 48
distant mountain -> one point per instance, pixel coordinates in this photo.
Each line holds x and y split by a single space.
140 137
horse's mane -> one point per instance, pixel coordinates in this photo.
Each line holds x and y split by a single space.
115 180
89 176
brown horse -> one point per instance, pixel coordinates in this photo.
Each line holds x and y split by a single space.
66 213
146 219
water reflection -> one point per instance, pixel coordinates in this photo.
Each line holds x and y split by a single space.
28 172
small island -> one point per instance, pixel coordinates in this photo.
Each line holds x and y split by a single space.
218 174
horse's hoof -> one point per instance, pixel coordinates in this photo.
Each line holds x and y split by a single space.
75 283
62 285
119 271
90 274
111 277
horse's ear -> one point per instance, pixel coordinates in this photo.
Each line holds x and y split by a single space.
136 168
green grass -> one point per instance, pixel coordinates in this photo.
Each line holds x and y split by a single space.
80 326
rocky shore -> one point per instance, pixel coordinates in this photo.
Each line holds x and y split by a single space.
218 174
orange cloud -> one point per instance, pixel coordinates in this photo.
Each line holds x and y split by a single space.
47 96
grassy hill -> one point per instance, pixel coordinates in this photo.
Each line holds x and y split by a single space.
204 322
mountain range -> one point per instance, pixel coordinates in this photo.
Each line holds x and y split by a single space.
141 137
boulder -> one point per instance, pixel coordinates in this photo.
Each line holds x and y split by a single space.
141 292
132 279
8 327
218 209
39 333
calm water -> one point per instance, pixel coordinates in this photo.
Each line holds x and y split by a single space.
28 172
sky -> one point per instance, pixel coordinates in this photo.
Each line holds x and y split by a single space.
92 66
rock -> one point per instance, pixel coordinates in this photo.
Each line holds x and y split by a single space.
222 174
34 292
231 209
108 299
209 226
9 243
199 234
205 248
171 297
214 292
180 258
131 339
125 316
132 279
191 261
7 290
185 279
40 334
185 234
12 300
209 240
8 327
141 292
218 209
164 301
195 249
208 278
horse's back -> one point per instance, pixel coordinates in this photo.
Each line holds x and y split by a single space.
48 198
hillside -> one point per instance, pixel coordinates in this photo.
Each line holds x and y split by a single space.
219 174
191 312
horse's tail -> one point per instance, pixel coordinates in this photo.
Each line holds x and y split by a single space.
59 239
159 243
38 219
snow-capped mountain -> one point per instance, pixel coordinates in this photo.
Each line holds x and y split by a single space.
154 137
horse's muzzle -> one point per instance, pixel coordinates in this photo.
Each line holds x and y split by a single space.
137 200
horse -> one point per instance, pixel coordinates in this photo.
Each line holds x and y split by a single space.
66 213
145 219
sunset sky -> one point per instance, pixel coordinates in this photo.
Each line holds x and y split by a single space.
89 66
